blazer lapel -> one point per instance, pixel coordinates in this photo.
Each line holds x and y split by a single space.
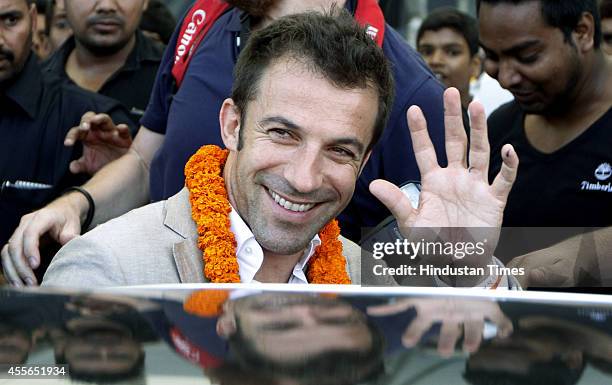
189 261
187 255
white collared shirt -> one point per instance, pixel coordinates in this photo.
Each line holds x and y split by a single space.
250 254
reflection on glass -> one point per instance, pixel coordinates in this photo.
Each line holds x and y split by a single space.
275 338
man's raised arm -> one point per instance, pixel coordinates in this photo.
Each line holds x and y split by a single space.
116 188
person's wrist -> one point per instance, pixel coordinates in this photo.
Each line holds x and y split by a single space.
79 205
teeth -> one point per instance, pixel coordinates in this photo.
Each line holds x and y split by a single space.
290 205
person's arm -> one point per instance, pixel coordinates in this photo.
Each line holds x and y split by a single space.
118 187
562 264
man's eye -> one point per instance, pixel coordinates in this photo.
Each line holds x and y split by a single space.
63 24
280 326
529 59
279 133
342 152
453 52
11 21
491 56
426 51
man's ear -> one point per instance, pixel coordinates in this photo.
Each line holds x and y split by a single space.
229 120
584 32
475 66
226 325
145 5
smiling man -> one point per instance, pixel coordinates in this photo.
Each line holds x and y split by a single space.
311 96
547 53
297 336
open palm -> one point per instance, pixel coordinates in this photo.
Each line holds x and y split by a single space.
459 195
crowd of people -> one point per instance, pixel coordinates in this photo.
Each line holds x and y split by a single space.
322 116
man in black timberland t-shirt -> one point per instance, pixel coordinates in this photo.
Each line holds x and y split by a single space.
547 53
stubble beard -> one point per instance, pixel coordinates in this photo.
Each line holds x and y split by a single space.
562 101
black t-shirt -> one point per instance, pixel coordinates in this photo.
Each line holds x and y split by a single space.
571 187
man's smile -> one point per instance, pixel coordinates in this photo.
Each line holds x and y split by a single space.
291 205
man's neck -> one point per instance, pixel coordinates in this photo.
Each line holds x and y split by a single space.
290 7
91 71
277 268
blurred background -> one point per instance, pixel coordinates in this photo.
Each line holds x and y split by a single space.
404 15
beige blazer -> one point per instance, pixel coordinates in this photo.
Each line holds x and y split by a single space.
154 244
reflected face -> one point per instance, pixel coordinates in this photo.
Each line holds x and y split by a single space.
304 144
101 346
606 28
528 57
289 327
15 345
448 55
17 26
104 26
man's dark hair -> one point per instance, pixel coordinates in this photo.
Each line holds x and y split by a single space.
331 44
562 14
158 18
332 367
452 18
554 372
606 9
133 372
46 7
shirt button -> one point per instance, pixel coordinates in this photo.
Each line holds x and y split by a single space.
248 250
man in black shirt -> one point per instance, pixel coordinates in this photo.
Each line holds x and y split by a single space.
35 114
547 53
107 54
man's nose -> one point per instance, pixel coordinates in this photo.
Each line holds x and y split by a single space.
507 76
437 57
106 6
306 314
304 171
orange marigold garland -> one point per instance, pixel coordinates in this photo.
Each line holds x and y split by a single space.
210 210
206 303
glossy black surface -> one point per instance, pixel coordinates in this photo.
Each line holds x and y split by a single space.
246 336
